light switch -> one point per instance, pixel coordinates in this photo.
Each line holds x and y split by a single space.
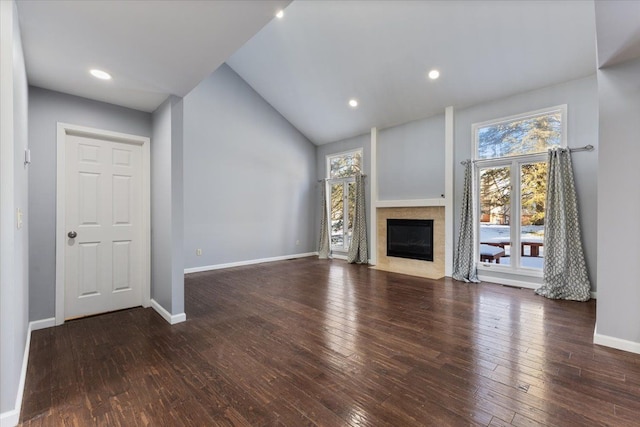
19 218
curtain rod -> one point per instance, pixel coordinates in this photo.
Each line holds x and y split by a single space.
329 179
585 148
573 150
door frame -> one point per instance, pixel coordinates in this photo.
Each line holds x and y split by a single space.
63 130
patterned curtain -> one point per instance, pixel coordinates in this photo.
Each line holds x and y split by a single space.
464 264
565 271
358 252
324 249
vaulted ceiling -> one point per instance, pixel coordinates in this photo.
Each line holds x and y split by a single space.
308 64
322 53
152 48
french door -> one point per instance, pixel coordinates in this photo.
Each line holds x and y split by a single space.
342 194
511 212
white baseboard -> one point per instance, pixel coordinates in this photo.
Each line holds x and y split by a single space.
613 342
508 282
42 324
171 318
12 417
594 295
249 262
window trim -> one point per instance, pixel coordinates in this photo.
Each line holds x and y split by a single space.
345 180
515 164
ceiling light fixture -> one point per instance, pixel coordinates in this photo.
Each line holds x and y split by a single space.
434 74
353 103
99 74
280 14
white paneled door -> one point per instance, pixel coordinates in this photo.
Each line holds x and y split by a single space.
104 258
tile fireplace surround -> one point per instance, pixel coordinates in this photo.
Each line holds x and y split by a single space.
429 269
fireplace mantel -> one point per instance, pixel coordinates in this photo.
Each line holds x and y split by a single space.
412 203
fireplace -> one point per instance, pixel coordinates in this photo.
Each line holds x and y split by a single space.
410 238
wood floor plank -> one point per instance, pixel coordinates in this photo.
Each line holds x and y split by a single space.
311 342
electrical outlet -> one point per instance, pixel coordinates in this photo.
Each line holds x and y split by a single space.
198 252
297 242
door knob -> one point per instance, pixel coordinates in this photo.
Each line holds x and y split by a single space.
72 234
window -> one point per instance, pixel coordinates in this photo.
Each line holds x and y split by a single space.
532 133
341 171
511 184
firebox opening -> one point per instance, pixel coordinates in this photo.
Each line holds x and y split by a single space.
410 238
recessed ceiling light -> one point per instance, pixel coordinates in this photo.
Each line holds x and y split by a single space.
99 74
280 14
353 103
434 74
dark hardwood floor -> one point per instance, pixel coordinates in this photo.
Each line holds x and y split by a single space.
312 342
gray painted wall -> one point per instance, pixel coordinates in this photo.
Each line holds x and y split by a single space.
411 160
177 206
249 177
161 229
46 109
322 151
581 97
14 243
618 309
167 258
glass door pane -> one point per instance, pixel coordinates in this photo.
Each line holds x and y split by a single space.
351 207
495 214
533 189
337 214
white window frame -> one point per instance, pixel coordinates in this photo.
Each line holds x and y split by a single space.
515 163
345 193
